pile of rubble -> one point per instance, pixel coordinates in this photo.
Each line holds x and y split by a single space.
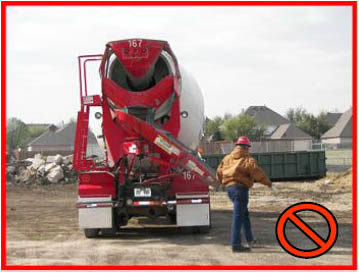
41 170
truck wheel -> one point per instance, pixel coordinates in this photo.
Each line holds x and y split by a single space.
173 218
108 232
200 229
91 232
204 229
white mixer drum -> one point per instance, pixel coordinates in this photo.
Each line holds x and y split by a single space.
192 111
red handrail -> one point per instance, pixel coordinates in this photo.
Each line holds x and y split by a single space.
82 61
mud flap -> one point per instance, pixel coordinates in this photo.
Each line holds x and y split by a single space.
193 215
92 216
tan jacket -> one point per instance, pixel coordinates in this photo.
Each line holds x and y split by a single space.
239 168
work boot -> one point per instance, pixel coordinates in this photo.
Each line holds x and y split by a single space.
252 243
241 249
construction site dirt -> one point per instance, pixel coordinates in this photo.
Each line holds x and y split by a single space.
42 229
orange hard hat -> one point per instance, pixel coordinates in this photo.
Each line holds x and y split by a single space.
243 140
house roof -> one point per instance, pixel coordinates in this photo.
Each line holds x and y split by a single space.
64 136
265 115
332 118
289 131
342 128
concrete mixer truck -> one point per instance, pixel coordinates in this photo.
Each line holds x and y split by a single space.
152 118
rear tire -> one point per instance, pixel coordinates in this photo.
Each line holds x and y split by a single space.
108 232
200 229
91 232
172 218
204 229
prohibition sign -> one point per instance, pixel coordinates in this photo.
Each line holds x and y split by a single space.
324 245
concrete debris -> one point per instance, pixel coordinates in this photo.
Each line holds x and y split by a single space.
50 166
38 156
58 159
41 170
67 159
36 163
27 176
50 159
327 181
55 175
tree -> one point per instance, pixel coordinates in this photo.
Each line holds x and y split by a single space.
322 123
17 133
230 127
315 126
296 115
35 130
213 126
242 125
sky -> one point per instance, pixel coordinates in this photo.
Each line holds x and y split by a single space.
281 57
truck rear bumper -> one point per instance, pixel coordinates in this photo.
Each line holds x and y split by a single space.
99 212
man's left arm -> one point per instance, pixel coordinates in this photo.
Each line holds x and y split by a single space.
258 174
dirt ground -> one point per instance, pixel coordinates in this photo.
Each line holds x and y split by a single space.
42 229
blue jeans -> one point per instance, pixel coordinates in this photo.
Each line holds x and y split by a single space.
239 196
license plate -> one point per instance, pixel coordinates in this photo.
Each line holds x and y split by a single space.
135 52
142 192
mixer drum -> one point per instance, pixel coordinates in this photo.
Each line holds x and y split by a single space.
191 100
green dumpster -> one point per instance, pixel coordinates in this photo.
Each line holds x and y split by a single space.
285 166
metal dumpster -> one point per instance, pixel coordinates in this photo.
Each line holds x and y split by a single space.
285 166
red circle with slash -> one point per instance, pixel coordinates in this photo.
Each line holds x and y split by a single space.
290 214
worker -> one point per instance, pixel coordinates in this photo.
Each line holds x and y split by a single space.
237 172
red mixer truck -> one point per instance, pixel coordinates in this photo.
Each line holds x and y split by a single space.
152 117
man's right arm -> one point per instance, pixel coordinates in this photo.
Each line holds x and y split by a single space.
219 172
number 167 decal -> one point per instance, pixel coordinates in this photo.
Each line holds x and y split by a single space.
188 175
135 43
